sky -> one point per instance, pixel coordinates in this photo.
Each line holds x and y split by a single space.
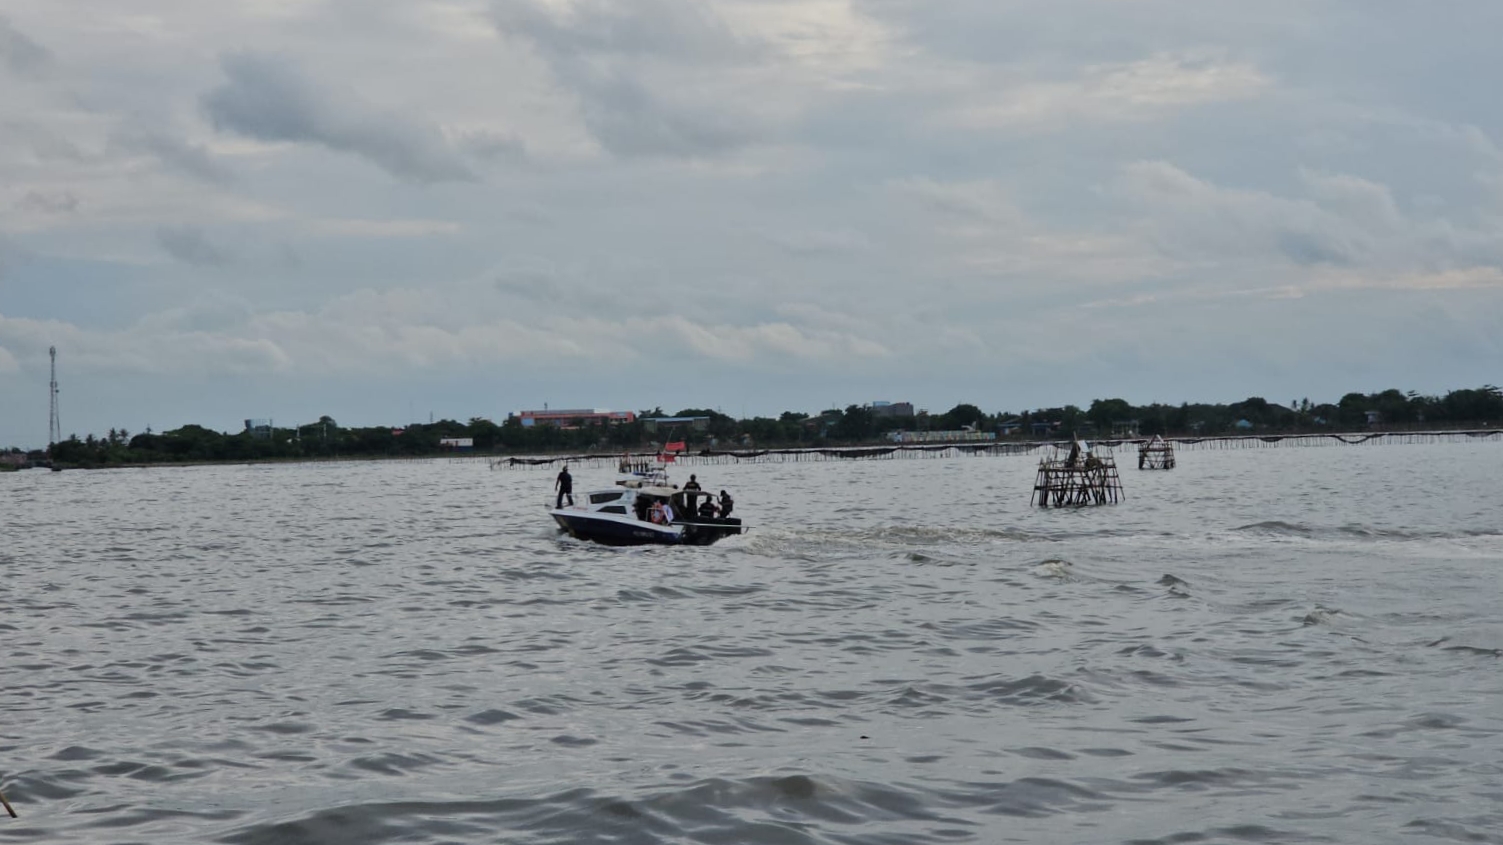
386 210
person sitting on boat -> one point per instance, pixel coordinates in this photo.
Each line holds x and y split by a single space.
726 503
667 513
693 483
657 514
707 508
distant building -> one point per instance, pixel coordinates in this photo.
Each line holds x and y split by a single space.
458 444
259 429
1373 417
892 409
821 422
573 417
695 423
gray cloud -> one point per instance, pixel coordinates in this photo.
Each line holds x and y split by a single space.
191 159
1310 248
841 242
49 203
207 311
988 32
45 144
267 99
492 145
628 118
672 29
1194 218
190 246
645 73
20 54
538 287
288 257
1341 220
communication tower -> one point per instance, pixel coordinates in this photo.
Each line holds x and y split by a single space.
54 425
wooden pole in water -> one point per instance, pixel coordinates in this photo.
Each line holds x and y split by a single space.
8 807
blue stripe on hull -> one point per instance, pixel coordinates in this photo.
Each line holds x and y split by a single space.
613 533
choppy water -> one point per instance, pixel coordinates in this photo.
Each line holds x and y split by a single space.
1297 645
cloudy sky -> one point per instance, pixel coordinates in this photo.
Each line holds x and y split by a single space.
382 209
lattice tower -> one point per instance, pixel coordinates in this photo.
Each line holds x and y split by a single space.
54 425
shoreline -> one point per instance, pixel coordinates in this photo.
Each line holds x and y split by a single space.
869 450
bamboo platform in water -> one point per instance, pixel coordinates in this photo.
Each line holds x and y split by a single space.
1065 483
1156 454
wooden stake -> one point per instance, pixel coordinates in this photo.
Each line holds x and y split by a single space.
8 807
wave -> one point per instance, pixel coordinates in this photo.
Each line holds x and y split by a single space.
1280 528
1322 616
1444 645
775 809
1032 691
1061 570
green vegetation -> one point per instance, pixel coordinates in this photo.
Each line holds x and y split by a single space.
853 425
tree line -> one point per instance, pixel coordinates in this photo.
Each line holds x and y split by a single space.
855 424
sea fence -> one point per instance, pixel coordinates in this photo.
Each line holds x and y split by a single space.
709 457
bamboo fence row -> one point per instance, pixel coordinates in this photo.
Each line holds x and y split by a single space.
711 457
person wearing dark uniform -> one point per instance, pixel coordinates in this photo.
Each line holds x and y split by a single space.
565 487
707 508
726 503
693 483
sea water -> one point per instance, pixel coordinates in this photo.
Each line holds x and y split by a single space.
1271 645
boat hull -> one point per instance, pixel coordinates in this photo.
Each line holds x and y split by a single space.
703 532
613 530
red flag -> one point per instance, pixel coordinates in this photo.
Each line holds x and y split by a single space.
675 446
665 458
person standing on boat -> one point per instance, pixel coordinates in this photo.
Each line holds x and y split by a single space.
726 503
564 484
693 483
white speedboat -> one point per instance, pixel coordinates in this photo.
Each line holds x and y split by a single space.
625 515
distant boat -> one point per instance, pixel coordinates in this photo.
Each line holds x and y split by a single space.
621 515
